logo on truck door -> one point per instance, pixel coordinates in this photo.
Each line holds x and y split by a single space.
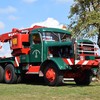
36 52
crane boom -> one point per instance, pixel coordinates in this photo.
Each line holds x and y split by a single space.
16 38
7 36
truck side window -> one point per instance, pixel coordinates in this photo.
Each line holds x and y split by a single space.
36 39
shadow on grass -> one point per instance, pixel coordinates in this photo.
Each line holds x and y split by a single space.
35 80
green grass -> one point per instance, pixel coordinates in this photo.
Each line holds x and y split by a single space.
41 92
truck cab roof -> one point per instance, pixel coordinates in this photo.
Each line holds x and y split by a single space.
44 29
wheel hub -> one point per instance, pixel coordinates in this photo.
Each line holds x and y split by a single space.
50 74
8 74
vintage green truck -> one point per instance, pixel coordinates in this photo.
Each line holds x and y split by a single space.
49 53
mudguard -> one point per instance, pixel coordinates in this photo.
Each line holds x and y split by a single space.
60 63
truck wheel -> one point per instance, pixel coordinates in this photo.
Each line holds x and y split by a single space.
9 75
1 74
85 78
52 75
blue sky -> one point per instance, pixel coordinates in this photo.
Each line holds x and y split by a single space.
24 13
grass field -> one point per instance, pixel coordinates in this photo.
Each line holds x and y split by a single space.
68 91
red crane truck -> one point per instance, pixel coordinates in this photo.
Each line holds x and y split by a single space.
49 53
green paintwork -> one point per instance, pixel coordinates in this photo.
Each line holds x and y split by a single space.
5 60
50 30
84 40
10 60
90 58
24 59
35 54
36 49
60 63
68 43
42 48
48 44
90 42
17 71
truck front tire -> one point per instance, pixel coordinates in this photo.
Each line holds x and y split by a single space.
10 75
52 75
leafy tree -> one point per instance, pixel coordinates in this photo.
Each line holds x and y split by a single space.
85 18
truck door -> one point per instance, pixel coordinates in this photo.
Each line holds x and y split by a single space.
36 48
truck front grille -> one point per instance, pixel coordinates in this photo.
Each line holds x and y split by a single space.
86 49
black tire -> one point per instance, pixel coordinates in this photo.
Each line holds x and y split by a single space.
57 75
10 76
1 74
85 78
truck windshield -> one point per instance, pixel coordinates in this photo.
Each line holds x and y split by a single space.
54 36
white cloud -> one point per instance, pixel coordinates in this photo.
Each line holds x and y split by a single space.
49 22
8 10
2 25
29 1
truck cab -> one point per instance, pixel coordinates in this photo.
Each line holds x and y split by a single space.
46 43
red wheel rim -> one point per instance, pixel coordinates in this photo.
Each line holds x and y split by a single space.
50 74
8 74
